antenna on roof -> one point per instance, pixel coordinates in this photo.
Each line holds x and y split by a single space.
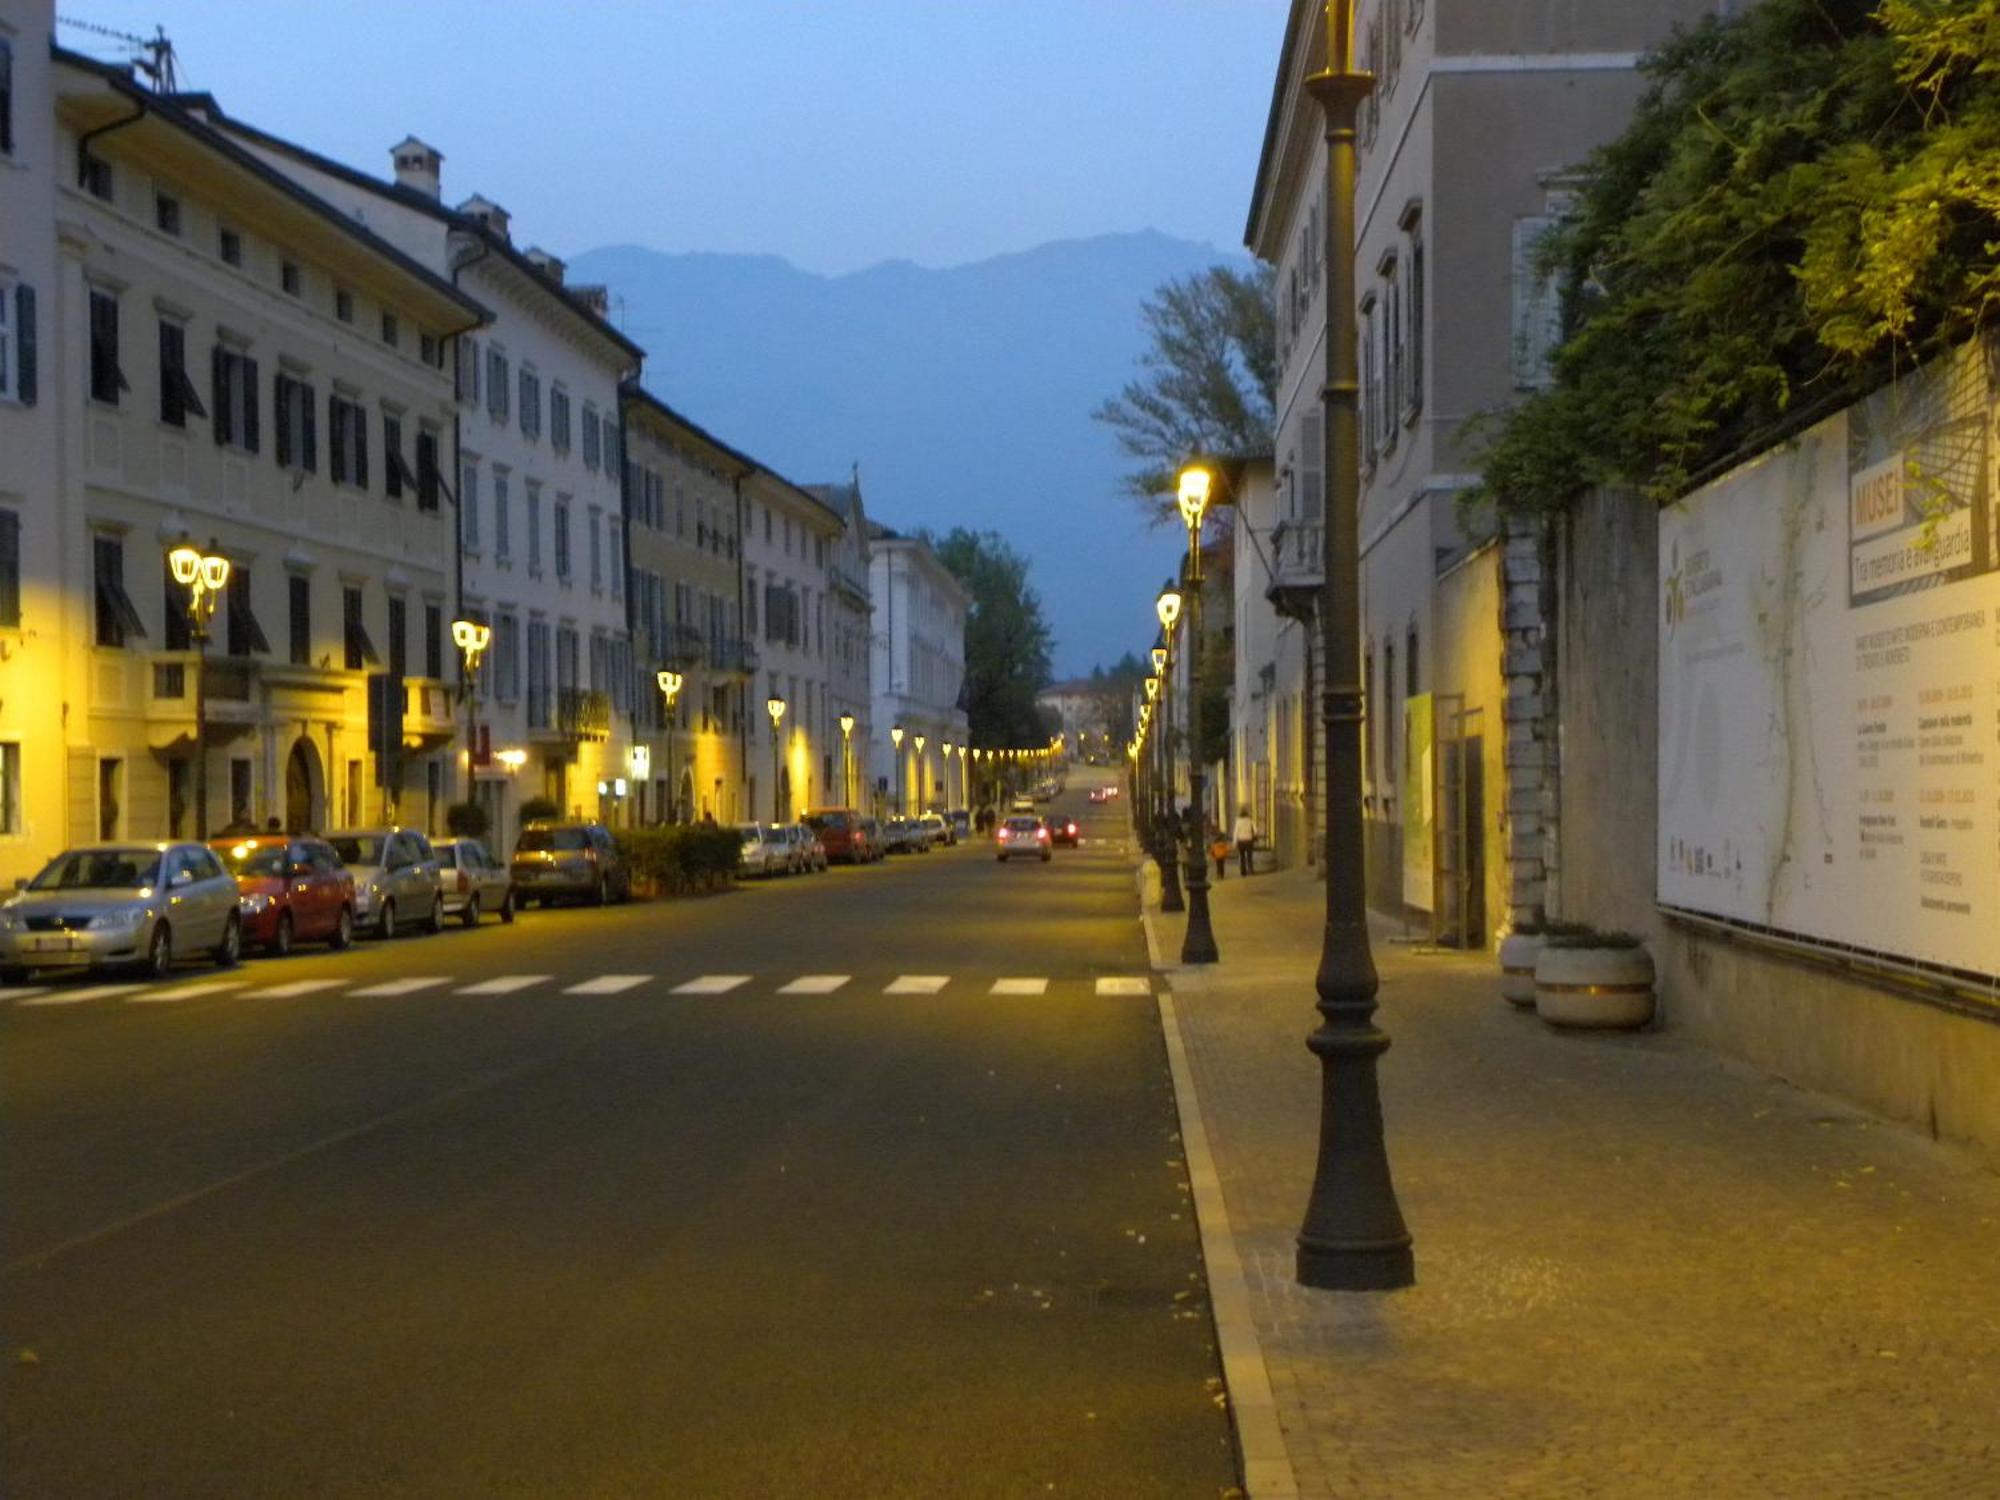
158 62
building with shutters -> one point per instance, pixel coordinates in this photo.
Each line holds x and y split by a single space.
1479 117
850 612
535 476
917 648
223 359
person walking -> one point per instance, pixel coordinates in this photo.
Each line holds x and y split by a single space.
1245 834
1218 848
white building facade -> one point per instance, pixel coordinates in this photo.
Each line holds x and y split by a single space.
789 535
918 672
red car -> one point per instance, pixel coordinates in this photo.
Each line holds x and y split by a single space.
1062 830
289 890
843 835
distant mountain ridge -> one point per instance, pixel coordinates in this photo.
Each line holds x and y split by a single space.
964 393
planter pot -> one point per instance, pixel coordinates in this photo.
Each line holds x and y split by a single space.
1599 988
1518 951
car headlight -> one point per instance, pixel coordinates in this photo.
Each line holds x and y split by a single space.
256 903
10 921
119 916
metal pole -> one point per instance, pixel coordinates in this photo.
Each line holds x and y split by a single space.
1198 945
1166 846
200 725
1354 1237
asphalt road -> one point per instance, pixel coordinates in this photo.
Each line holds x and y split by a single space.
893 1237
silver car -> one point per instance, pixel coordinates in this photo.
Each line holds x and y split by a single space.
766 851
474 881
136 905
396 880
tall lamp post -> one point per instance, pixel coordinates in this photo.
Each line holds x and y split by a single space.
472 637
670 692
1166 843
896 740
922 795
775 707
1353 1237
1198 946
847 759
204 575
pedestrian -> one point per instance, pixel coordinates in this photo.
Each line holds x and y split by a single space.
1246 839
1218 848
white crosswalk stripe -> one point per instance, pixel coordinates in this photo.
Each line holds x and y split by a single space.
918 984
712 984
1116 985
88 992
1019 987
402 986
814 984
506 984
23 994
294 989
608 984
176 992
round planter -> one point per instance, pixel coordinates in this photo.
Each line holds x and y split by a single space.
1518 951
1598 988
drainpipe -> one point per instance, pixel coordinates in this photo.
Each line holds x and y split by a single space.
457 470
83 141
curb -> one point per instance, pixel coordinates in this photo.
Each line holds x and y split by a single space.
1260 1437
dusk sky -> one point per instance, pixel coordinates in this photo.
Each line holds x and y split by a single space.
835 134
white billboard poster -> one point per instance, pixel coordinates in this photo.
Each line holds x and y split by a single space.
1830 679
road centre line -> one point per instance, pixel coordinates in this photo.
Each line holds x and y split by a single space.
40 989
295 988
608 984
814 984
186 991
506 984
89 992
712 984
402 986
1118 985
918 984
1019 987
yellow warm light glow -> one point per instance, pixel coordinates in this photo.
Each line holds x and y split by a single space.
513 760
846 725
214 573
1159 659
1168 608
1195 483
775 707
896 736
470 635
1152 688
670 685
185 563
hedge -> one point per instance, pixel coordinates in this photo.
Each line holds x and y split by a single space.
675 860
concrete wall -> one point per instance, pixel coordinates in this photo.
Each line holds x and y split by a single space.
1468 659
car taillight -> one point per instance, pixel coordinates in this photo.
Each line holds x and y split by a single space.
1041 833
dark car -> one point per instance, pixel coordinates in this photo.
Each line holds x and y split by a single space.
1062 830
569 861
1022 835
289 890
842 834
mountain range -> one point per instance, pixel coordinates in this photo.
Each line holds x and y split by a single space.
962 394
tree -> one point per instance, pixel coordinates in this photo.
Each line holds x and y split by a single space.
1006 640
1209 382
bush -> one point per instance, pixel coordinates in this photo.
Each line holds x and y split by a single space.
538 808
467 820
675 859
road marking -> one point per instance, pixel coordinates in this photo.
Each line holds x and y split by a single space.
187 991
89 992
1019 987
296 987
608 984
918 984
712 984
814 984
505 985
1124 986
402 986
40 989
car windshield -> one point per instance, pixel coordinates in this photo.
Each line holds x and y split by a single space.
1023 825
827 820
358 848
447 856
100 870
254 859
542 840
751 833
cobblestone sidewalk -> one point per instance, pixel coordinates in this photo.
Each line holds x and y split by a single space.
1642 1270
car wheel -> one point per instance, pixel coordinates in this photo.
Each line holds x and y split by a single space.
436 923
159 960
1001 857
470 916
507 907
230 949
343 931
281 941
13 976
385 921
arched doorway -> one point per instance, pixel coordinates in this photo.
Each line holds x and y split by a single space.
305 788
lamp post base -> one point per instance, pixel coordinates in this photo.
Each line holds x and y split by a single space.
1356 1267
1170 880
1198 946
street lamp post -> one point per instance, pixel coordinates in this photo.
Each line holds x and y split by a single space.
670 692
204 575
1166 842
922 797
1198 946
1353 1237
472 637
775 707
847 759
896 740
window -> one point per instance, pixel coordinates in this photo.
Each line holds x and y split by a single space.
1413 365
468 507
229 245
299 587
531 405
10 568
427 467
1368 714
166 214
561 523
354 632
389 330
17 342
502 522
233 387
239 790
106 379
496 385
1389 715
534 528
399 635
288 277
10 779
466 375
110 773
506 663
434 640
590 448
614 544
347 458
1410 661
343 305
538 674
396 475
245 636
294 408
1371 394
596 550
430 351
117 621
6 135
177 393
559 419
93 174
179 634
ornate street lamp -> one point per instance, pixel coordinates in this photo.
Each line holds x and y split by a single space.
670 692
923 796
775 707
204 575
896 739
1166 842
1198 945
472 637
1354 1237
847 759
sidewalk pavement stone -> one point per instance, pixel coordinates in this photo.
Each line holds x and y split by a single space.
1642 1269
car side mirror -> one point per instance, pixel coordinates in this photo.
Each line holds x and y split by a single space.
183 876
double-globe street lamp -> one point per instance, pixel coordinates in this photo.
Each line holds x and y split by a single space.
472 637
1198 945
896 740
204 575
775 707
922 795
1166 843
1353 1237
847 759
670 692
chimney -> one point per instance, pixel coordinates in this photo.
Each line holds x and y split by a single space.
546 263
596 298
418 167
485 212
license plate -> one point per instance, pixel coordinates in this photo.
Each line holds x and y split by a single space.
55 943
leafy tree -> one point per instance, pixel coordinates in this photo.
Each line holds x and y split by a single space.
1208 383
1807 199
1007 641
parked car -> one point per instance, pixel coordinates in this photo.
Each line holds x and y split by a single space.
1022 805
121 905
1062 830
961 824
842 835
290 890
871 828
396 880
937 830
765 850
903 836
475 881
812 857
569 861
1100 794
1023 835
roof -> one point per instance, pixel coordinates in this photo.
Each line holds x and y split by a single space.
637 395
1266 158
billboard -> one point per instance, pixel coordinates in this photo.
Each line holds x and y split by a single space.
1829 705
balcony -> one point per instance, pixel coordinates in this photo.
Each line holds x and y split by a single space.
583 714
681 648
732 656
1298 562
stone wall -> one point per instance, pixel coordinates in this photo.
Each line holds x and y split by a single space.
1528 661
